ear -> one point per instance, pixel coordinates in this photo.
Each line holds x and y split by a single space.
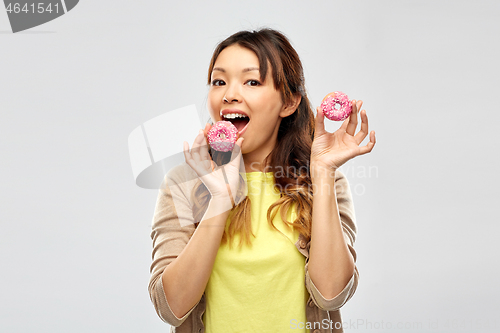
290 108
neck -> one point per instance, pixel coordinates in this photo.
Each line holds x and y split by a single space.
254 161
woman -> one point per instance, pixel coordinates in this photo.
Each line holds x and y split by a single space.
294 265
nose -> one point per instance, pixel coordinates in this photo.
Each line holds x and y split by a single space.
232 95
230 100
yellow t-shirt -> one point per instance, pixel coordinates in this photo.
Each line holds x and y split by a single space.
259 288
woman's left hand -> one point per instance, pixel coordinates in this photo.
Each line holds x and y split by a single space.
331 150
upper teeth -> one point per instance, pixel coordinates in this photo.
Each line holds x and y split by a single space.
234 115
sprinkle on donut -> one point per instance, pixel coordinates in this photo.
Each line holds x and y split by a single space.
336 106
222 136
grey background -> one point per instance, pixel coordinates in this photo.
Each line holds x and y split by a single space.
75 247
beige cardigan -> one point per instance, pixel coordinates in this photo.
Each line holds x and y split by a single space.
170 237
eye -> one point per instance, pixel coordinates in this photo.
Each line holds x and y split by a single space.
253 83
218 82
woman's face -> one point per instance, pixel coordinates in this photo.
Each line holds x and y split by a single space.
236 88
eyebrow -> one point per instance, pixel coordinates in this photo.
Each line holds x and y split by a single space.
244 69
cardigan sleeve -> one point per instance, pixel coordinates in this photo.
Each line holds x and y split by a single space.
172 227
347 218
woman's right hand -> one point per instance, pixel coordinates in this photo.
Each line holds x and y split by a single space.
210 174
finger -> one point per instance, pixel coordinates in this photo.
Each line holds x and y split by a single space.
353 119
344 125
206 129
239 142
236 153
359 104
187 154
369 146
196 166
319 123
364 128
195 150
204 155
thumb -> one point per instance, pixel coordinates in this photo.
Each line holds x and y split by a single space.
236 153
205 131
319 122
239 142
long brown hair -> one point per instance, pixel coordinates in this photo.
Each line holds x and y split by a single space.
289 160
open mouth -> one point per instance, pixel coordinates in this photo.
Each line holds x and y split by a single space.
238 120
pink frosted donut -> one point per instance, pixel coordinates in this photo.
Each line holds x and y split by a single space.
336 106
222 136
